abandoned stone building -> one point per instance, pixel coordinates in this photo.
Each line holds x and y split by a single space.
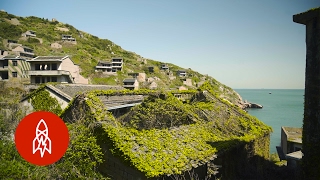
13 67
54 69
131 83
162 153
111 66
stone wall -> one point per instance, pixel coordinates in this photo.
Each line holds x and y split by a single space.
244 161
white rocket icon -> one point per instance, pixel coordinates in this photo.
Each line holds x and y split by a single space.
42 141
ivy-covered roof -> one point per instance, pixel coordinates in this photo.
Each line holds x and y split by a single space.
73 89
210 126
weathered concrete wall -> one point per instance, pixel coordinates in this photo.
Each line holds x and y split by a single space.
284 139
116 169
68 65
63 103
311 120
243 161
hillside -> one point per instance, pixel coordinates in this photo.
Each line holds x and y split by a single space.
89 49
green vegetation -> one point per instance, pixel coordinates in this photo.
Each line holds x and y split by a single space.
8 30
81 159
161 136
164 136
42 101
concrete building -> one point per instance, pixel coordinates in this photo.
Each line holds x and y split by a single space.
164 67
13 67
68 38
141 77
188 82
131 84
23 51
54 69
291 145
291 139
182 73
29 33
3 53
56 45
110 67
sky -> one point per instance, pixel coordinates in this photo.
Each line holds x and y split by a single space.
246 44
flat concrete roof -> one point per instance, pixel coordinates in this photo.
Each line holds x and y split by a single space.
293 134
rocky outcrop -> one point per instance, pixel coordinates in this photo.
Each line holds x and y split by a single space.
251 105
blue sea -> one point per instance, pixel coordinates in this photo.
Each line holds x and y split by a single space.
283 107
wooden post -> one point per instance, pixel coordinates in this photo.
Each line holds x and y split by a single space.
311 120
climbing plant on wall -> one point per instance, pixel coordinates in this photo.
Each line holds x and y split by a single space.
42 101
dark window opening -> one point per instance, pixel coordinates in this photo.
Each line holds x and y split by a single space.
15 63
37 66
54 67
38 80
14 74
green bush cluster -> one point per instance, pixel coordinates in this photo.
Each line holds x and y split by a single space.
9 31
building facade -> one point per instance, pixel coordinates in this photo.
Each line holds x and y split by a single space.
54 69
29 33
68 38
13 67
110 67
23 51
131 84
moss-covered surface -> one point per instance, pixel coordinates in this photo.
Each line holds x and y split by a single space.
201 130
42 101
310 10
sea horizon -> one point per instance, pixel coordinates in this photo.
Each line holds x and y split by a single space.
283 107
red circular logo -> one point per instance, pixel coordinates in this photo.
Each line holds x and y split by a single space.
42 138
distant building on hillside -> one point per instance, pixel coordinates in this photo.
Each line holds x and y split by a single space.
131 84
56 45
3 53
182 73
68 38
141 77
188 82
29 33
13 67
164 67
54 69
23 51
110 67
